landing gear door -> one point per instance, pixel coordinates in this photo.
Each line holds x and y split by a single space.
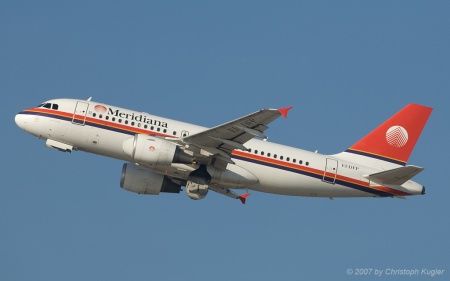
79 115
330 172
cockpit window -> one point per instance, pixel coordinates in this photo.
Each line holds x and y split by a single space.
49 105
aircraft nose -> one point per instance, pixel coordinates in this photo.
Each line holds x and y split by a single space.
21 121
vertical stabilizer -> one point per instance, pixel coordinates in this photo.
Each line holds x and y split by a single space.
394 140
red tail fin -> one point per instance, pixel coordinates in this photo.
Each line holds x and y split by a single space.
394 140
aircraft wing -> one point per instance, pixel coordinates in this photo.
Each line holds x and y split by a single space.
218 142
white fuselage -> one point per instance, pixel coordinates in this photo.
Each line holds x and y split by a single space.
279 169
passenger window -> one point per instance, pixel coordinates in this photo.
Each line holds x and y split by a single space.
275 156
295 160
307 163
262 152
268 154
281 157
256 151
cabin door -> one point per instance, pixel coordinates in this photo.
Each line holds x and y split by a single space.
79 115
329 175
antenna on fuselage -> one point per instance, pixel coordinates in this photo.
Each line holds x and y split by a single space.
89 99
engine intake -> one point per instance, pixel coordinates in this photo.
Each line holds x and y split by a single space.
153 151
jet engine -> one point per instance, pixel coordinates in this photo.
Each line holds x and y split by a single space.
143 181
153 151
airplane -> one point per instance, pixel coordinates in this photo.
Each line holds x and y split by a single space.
163 155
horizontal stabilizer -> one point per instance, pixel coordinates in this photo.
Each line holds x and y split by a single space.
397 176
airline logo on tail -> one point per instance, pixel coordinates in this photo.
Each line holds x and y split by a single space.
394 140
397 136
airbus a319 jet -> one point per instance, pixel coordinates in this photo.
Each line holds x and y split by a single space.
164 155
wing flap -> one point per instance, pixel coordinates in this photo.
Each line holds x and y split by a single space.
397 176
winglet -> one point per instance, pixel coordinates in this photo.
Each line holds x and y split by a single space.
243 197
284 111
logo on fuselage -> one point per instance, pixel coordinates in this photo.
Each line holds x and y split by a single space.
129 116
137 117
100 109
397 136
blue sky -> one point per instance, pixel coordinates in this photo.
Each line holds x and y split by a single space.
345 66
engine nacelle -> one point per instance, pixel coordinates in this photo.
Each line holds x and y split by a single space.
143 181
153 151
